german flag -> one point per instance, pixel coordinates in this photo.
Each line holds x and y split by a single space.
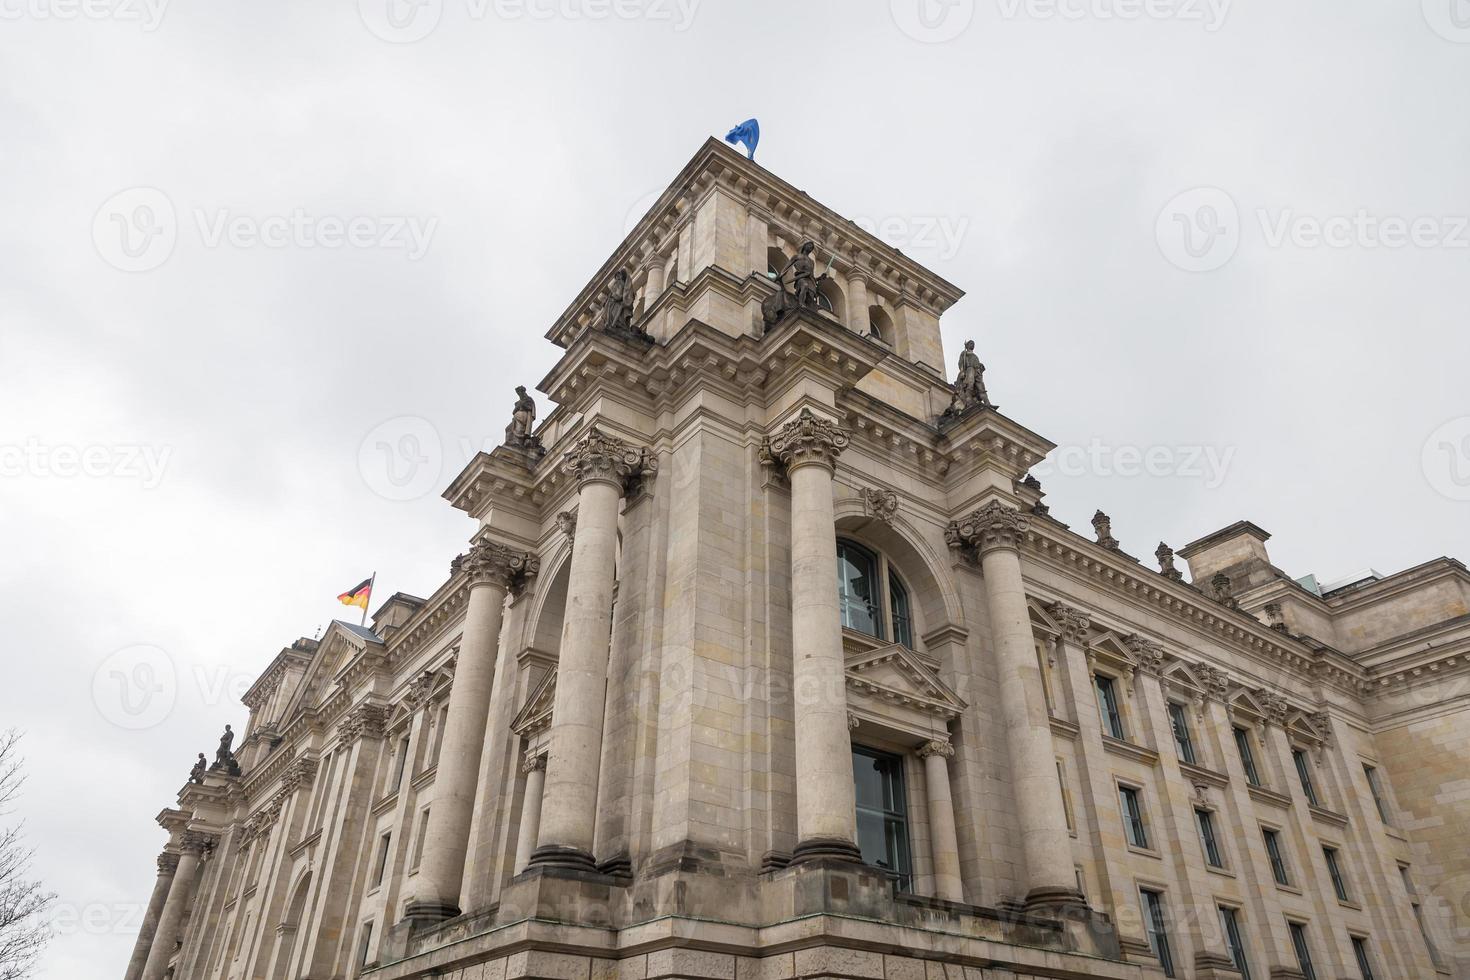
358 594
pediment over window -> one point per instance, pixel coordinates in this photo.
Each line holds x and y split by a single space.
894 685
535 716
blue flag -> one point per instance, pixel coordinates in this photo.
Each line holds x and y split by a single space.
749 133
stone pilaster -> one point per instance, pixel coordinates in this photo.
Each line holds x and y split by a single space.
994 533
168 864
492 570
944 842
603 467
826 814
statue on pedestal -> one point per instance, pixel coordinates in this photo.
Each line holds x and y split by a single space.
617 318
803 293
519 434
969 384
196 775
224 759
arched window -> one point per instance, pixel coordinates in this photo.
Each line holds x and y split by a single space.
861 578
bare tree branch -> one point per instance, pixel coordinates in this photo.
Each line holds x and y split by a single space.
25 926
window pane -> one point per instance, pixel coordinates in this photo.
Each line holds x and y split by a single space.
1182 740
1247 758
898 601
857 577
1360 953
1107 700
1303 952
1304 773
882 813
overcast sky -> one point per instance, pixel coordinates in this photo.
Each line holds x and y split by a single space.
1225 242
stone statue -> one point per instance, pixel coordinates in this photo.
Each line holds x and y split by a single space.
224 759
618 317
196 775
803 292
518 434
969 384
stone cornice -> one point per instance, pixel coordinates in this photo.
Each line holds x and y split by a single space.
788 209
1399 582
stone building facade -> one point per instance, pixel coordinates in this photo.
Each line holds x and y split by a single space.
766 660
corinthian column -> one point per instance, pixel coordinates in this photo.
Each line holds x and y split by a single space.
167 865
995 532
180 894
826 810
602 466
943 841
492 569
535 770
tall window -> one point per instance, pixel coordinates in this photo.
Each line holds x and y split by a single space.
399 764
1419 916
1107 704
1339 883
1206 821
1179 721
1304 773
860 579
1247 757
1377 791
1360 953
1303 951
1273 851
1132 812
1158 935
381 869
418 845
882 813
367 941
1230 925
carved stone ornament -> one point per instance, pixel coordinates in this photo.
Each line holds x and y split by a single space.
1215 681
993 526
1150 655
298 774
418 690
197 842
1220 587
1274 705
880 504
1074 623
363 721
489 563
1102 525
939 747
168 863
806 439
566 523
533 763
1165 555
608 459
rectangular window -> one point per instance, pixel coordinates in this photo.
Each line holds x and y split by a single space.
1247 757
1273 851
367 942
1107 703
418 847
1066 797
382 867
1206 821
1158 935
400 763
1230 926
882 813
1339 884
1132 812
1303 951
1377 791
1304 773
1360 953
1182 741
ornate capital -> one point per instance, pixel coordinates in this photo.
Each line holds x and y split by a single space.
197 842
418 690
806 439
939 747
1274 705
489 563
363 721
1074 622
168 863
602 458
882 504
1215 680
298 774
1149 654
993 526
533 763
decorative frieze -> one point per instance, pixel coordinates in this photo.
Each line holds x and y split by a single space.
602 457
808 438
993 526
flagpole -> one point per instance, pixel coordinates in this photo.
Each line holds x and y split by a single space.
371 582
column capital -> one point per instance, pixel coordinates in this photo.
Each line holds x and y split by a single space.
168 863
363 721
533 763
491 563
1074 623
988 528
939 747
806 439
601 458
1150 655
197 842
